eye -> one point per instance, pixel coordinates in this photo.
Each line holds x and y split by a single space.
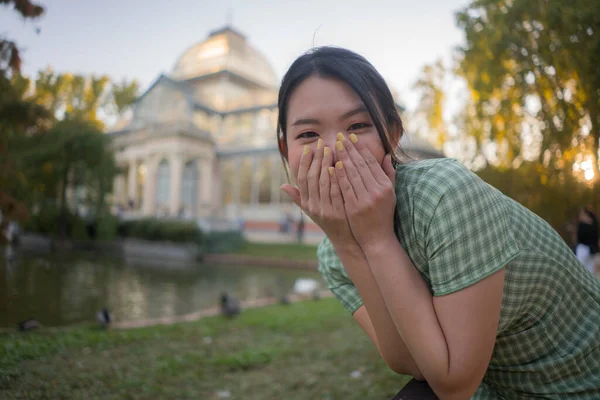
307 135
358 126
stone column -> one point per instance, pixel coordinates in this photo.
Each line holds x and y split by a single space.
132 183
176 169
149 199
205 184
118 190
255 182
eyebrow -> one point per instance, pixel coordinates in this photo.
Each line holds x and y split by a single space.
312 121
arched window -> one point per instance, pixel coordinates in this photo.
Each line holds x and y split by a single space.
189 189
162 187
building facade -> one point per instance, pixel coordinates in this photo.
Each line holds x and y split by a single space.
201 142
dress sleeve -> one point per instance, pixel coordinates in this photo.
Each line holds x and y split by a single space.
337 278
469 234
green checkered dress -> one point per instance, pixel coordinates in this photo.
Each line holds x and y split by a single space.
458 230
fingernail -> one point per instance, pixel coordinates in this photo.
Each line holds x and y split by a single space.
340 136
326 151
339 145
339 165
306 150
331 170
353 138
319 144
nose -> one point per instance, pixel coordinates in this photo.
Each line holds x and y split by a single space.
329 141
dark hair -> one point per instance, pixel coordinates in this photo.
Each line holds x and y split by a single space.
592 215
356 72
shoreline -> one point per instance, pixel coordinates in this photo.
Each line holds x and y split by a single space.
271 262
213 311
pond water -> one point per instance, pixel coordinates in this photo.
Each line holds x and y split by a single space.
67 290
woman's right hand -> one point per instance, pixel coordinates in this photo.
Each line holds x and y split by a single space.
319 195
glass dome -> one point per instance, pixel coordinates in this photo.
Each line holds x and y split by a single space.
225 50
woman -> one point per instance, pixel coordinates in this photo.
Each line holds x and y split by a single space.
454 283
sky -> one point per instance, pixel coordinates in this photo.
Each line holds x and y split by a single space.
140 39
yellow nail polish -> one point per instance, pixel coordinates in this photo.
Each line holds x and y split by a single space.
340 136
306 150
339 165
326 151
319 144
353 138
339 145
331 170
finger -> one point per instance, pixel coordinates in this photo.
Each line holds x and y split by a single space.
301 179
344 184
376 169
313 177
352 148
325 180
335 193
388 168
292 192
350 170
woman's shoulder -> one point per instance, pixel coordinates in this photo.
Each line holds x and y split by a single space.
431 178
436 170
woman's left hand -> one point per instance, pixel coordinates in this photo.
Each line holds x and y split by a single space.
368 191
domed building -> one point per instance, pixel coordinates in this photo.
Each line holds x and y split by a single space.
201 141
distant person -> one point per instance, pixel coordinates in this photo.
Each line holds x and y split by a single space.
455 283
586 248
300 229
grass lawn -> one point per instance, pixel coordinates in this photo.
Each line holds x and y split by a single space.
279 250
301 351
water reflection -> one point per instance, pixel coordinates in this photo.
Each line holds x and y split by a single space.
60 290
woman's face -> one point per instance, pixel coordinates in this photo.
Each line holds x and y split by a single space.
319 108
584 217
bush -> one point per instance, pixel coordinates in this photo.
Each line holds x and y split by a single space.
161 230
224 242
48 222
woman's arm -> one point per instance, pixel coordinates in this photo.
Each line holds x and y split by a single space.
374 318
450 337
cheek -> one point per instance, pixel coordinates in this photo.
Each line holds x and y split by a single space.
377 150
294 155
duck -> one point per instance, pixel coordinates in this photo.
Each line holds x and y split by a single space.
103 317
28 325
306 287
230 306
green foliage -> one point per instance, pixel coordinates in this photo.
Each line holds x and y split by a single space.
106 226
295 251
124 94
224 242
162 230
432 100
45 222
519 53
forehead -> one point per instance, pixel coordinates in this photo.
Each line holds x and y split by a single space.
316 96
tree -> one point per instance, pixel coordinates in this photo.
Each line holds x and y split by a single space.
73 154
16 115
76 96
432 100
10 57
124 94
531 70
